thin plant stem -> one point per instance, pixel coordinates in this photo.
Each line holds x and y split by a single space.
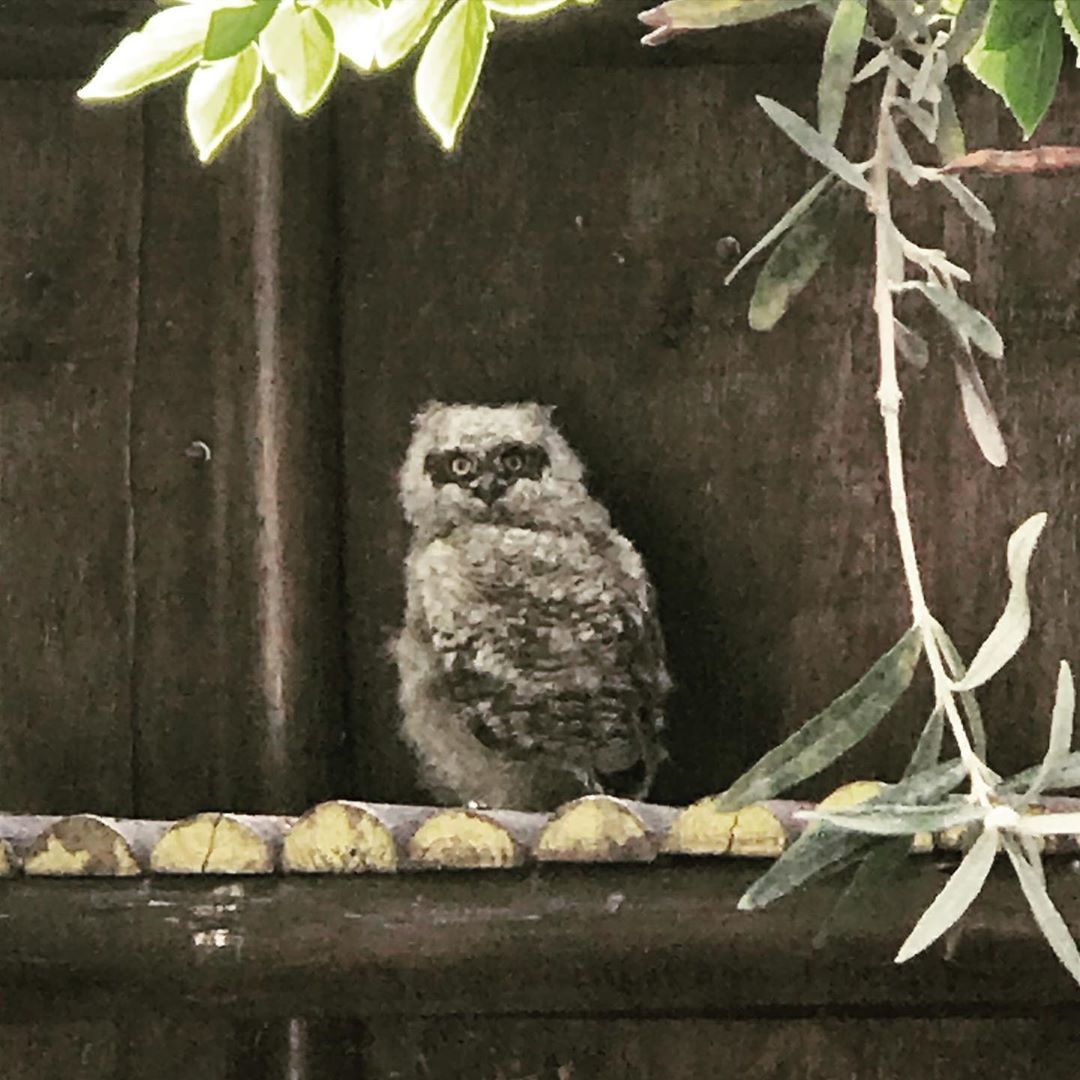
889 400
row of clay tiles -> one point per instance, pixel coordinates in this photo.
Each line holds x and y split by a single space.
354 837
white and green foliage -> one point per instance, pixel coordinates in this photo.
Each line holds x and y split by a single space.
912 46
230 46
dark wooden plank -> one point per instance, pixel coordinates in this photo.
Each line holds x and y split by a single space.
568 253
50 1051
237 669
663 940
69 224
942 1048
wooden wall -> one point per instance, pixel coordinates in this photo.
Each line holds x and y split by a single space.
181 633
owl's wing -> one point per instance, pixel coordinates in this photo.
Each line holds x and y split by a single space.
643 719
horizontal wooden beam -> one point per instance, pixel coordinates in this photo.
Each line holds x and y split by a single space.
346 837
656 940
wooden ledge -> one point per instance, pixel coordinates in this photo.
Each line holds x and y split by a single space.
656 939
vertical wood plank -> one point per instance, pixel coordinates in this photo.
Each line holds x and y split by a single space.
69 227
237 680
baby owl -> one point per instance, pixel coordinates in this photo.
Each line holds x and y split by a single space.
531 661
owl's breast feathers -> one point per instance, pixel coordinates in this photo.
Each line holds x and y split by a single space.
548 643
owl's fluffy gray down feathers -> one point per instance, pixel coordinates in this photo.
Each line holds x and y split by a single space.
531 661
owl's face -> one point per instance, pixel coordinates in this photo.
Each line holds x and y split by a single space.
506 465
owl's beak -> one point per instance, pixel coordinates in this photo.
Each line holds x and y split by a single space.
488 487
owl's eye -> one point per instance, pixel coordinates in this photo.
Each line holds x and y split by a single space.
513 461
460 465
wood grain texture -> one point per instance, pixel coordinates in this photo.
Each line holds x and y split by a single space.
237 679
69 224
585 271
945 1048
655 941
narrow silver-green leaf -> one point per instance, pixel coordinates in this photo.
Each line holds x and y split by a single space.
823 738
965 319
1050 824
899 158
927 750
872 879
1011 629
949 140
902 820
838 64
923 119
1062 777
1047 917
794 262
954 664
449 68
813 143
818 849
1061 730
955 898
911 346
791 215
968 201
877 63
979 410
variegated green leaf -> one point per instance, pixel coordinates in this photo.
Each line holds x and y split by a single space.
170 42
298 48
219 99
357 29
233 29
449 68
404 26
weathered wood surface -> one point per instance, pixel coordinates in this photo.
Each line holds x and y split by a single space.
657 940
787 1048
69 244
237 679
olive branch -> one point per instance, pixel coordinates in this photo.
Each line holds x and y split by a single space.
1016 48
